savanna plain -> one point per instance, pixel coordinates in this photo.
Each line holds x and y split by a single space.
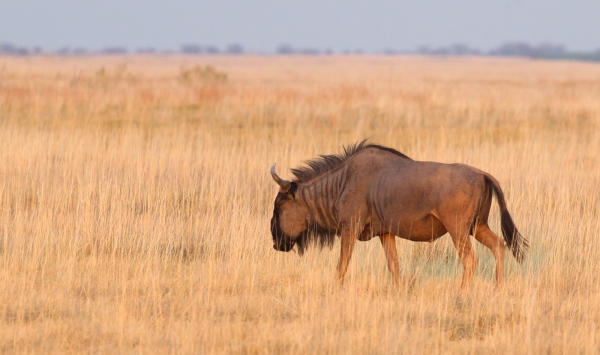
135 200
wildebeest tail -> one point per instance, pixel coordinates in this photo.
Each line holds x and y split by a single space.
517 244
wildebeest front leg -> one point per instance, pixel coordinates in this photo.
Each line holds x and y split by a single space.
348 240
389 246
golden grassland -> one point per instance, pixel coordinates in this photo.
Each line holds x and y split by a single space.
135 200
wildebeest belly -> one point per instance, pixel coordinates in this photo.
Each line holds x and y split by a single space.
426 229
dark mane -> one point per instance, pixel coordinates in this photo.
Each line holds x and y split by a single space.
325 163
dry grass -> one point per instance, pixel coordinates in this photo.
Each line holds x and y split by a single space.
135 200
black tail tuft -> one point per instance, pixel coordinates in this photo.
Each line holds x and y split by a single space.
517 244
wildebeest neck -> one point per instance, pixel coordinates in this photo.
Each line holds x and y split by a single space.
320 195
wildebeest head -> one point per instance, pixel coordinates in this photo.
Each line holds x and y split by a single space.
289 217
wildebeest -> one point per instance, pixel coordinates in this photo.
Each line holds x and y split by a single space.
374 191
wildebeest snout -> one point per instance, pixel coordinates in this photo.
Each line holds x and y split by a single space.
282 245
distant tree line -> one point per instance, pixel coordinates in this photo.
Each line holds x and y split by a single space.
8 48
510 49
514 49
209 49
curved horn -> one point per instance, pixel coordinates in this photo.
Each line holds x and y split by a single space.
285 184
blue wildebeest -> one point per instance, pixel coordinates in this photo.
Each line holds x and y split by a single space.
375 191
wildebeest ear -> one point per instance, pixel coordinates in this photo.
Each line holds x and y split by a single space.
290 196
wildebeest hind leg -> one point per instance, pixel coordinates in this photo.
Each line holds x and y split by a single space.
461 241
389 246
496 244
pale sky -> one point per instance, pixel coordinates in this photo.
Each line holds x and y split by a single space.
263 25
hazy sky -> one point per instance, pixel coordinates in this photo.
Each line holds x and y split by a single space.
263 25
